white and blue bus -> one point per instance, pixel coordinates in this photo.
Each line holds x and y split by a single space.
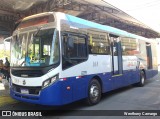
57 59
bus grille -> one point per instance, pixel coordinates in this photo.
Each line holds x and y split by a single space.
31 90
28 73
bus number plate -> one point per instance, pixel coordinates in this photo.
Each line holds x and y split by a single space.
24 91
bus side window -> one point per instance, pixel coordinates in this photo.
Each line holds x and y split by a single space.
74 50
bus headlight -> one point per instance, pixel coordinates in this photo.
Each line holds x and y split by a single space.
46 83
53 79
49 81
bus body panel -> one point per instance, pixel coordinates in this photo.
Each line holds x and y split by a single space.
91 66
75 88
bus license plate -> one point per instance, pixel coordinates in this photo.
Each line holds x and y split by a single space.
24 91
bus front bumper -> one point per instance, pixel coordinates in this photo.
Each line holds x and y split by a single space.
50 95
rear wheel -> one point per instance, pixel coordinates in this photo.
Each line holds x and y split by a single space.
94 92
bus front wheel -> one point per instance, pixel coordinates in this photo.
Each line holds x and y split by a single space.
94 92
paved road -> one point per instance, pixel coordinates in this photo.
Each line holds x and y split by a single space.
128 98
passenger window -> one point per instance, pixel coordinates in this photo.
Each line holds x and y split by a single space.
98 43
130 46
74 49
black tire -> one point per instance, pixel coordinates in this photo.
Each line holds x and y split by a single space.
142 79
94 92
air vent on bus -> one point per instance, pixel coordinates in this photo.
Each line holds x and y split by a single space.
27 73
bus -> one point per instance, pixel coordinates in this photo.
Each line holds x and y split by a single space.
57 59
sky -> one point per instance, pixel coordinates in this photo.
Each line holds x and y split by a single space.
146 11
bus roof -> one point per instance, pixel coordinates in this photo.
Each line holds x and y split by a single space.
90 24
109 29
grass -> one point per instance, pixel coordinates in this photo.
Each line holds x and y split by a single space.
4 100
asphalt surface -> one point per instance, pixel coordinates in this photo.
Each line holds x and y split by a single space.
127 98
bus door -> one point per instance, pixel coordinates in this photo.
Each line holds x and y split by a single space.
149 73
116 55
149 56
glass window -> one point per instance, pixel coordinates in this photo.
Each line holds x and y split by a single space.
98 43
35 48
130 46
74 49
18 49
114 44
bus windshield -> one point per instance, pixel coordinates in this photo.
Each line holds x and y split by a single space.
35 48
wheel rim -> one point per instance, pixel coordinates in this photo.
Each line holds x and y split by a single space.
94 92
